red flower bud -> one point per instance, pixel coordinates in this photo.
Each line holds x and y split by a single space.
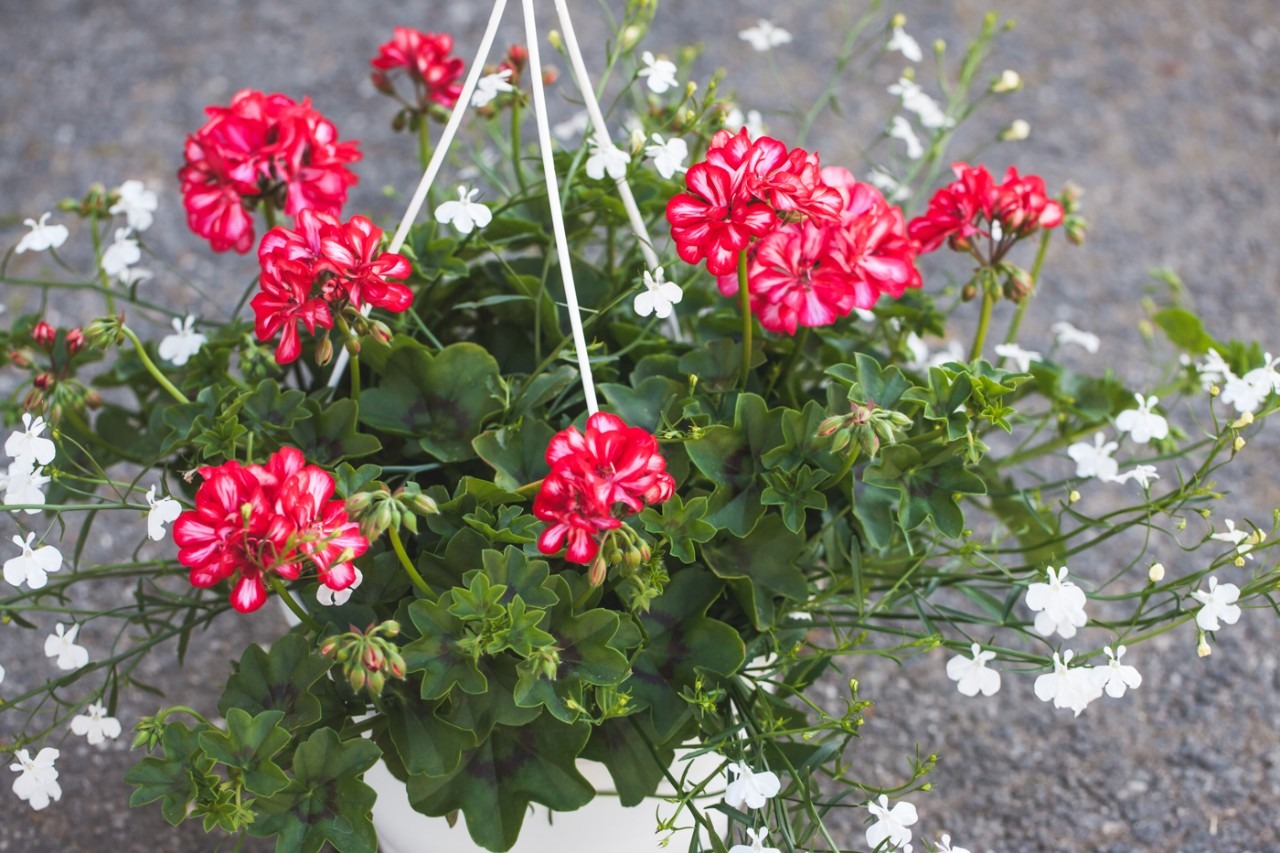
44 335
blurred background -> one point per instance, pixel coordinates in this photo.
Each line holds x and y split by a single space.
1166 112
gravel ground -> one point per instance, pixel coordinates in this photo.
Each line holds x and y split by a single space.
1164 110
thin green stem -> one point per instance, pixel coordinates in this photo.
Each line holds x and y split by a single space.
748 321
515 145
97 259
1012 335
398 546
984 321
151 366
292 603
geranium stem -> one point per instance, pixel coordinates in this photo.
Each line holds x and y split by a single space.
984 322
398 546
151 366
424 150
269 212
290 602
1016 322
748 322
516 148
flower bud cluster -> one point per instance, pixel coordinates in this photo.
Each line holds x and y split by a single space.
864 429
379 508
368 658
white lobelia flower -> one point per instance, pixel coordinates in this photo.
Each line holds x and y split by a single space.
915 100
972 675
183 343
1238 538
1022 358
465 214
42 236
121 254
1248 392
34 565
38 784
137 203
571 127
668 155
29 445
891 824
160 513
736 120
758 837
902 129
1069 687
944 845
95 725
335 597
61 644
1094 460
905 44
1069 334
765 35
661 73
490 85
1219 604
1117 677
1142 423
135 275
1143 475
658 296
606 159
750 788
23 485
1213 370
1058 605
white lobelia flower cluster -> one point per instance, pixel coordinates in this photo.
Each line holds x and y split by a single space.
891 827
1142 424
24 481
1245 393
751 790
138 205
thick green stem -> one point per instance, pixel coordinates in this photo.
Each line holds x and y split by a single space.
269 212
151 366
748 322
984 321
289 601
424 150
398 546
1016 322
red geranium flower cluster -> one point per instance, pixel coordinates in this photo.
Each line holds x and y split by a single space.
426 61
737 193
323 264
973 201
277 517
597 478
261 146
811 273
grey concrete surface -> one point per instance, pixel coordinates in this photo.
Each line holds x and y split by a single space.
1166 111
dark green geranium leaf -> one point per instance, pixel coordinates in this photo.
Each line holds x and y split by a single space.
441 400
330 435
731 459
945 400
496 706
521 636
873 507
517 454
647 403
426 743
478 601
533 395
766 559
624 750
683 641
326 801
436 654
869 382
277 680
172 777
681 523
510 525
717 364
349 480
795 491
503 775
273 407
248 745
521 576
928 489
801 442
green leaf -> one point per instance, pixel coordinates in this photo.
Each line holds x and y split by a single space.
248 745
645 405
622 749
801 442
330 435
273 407
518 454
683 642
171 778
426 743
436 653
440 400
946 400
796 492
731 459
326 800
869 382
277 680
681 524
717 365
521 576
766 559
928 489
1186 331
503 775
348 480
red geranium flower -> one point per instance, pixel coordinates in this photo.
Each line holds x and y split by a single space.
971 203
598 477
261 145
794 280
425 59
323 264
254 519
871 242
